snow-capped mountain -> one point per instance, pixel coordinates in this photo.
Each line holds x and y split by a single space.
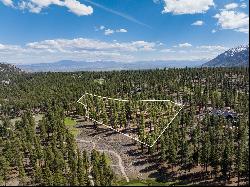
238 56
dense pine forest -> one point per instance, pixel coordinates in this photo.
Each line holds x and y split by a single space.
47 154
210 136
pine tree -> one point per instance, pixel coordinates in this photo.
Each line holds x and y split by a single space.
95 169
241 147
82 173
22 174
195 139
85 160
115 120
49 156
42 128
38 175
172 152
10 152
59 179
142 130
227 159
104 116
123 120
47 176
205 151
4 169
5 127
163 149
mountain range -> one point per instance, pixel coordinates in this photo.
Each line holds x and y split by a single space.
238 56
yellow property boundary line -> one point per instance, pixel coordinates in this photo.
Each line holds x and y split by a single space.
152 100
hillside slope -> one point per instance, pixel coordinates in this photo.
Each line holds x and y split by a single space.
8 72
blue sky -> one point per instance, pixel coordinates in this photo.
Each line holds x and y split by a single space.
39 31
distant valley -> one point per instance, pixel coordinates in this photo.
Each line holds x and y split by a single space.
70 66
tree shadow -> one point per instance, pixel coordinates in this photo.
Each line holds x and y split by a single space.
163 175
187 167
87 126
153 158
150 168
98 132
140 162
130 144
80 120
76 117
134 152
113 132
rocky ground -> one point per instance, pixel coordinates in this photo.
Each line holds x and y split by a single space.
116 146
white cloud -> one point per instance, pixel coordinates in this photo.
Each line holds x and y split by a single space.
85 49
46 3
109 32
244 30
213 31
102 27
233 20
187 6
203 52
36 6
79 44
75 49
77 8
184 45
243 5
198 23
99 28
121 30
212 47
7 2
7 48
231 6
144 46
167 51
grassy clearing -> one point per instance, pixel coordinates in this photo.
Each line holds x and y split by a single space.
145 183
135 184
70 124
